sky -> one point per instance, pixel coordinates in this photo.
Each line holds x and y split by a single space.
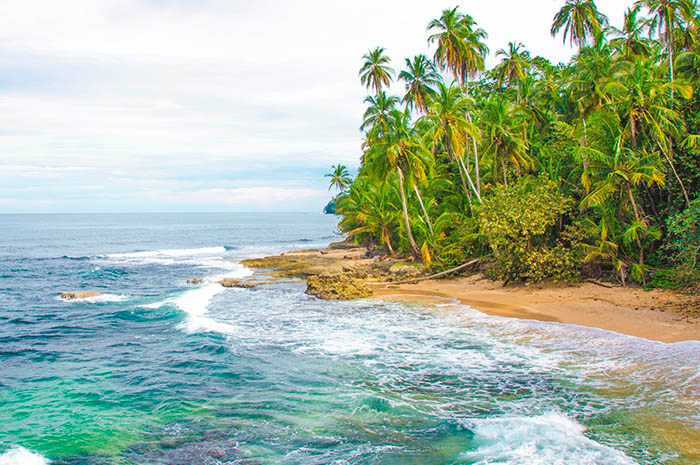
207 105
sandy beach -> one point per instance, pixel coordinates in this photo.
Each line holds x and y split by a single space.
659 315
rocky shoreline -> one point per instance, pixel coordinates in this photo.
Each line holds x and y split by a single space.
344 272
341 272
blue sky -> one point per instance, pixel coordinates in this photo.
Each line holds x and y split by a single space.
207 105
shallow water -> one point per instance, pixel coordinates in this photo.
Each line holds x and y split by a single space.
159 372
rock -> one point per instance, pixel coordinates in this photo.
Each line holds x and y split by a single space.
348 243
195 281
336 287
404 270
238 283
79 295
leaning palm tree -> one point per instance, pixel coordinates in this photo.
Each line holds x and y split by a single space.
580 20
340 178
420 77
642 100
400 151
376 72
447 115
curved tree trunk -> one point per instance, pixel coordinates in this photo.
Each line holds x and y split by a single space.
639 220
425 212
471 183
675 173
476 159
451 154
387 240
407 223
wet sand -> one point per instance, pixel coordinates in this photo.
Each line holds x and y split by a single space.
659 315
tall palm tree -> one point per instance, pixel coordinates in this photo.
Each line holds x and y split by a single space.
643 101
376 72
447 115
504 136
400 151
420 77
666 15
460 44
615 171
514 65
378 110
340 178
461 49
580 20
631 40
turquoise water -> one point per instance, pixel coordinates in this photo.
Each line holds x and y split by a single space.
156 371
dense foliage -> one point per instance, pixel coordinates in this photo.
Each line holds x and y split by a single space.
550 171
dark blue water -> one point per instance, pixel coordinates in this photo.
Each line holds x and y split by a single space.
155 370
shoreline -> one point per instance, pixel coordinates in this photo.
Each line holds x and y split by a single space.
659 315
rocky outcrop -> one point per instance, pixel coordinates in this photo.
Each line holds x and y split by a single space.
405 271
79 295
195 281
239 283
336 287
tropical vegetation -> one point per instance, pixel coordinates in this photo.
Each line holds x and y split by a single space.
542 170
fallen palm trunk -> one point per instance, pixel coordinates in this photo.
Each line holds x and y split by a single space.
437 275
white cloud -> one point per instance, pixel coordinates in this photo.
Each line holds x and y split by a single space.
186 96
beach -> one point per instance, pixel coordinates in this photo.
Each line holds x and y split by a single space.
659 315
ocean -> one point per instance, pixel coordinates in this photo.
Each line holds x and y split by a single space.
159 371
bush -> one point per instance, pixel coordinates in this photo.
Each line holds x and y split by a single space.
523 225
682 247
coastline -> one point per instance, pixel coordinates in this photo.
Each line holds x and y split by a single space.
659 315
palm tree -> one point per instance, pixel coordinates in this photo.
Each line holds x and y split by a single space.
580 20
376 72
340 178
460 44
420 77
447 115
643 101
514 65
502 125
369 210
631 40
379 108
400 151
614 172
667 17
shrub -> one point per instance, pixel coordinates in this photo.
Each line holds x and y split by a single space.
522 226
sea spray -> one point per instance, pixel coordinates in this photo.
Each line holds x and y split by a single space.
18 455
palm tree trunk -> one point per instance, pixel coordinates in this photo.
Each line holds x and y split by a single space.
451 154
476 161
639 220
425 213
505 176
409 233
669 44
387 240
675 173
471 183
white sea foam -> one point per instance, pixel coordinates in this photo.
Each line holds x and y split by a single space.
170 252
196 304
18 455
205 257
550 439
